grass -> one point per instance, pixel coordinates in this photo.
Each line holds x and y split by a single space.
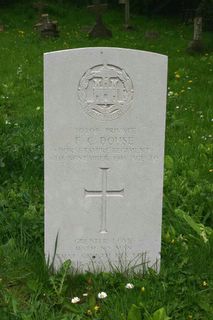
28 289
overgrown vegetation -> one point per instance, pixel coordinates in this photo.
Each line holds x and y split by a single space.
28 289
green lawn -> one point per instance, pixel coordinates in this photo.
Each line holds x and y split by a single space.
28 289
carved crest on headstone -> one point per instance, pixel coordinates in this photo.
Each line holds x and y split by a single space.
105 92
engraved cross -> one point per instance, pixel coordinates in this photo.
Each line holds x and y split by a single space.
104 194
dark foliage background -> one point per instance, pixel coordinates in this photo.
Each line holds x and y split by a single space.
139 6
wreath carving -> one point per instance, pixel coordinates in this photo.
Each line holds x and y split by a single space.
105 92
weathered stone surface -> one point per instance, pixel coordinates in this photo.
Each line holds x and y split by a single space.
104 149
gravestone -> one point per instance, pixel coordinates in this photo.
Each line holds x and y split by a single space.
196 45
99 30
127 25
46 27
104 149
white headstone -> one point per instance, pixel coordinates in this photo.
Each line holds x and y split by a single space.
104 148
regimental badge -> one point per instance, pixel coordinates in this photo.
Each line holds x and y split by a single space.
105 92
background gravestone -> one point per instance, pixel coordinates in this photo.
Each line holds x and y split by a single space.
126 3
46 27
196 45
104 149
99 30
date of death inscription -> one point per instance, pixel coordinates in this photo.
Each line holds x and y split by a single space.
113 144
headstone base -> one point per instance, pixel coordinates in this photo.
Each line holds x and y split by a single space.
195 46
128 27
120 263
100 31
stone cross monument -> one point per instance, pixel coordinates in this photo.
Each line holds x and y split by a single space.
99 30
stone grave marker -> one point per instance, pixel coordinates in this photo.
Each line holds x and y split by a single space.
104 149
99 30
196 45
46 27
126 3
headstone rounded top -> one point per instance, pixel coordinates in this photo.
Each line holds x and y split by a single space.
107 51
